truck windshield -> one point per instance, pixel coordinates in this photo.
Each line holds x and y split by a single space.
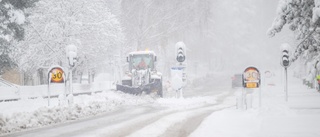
141 61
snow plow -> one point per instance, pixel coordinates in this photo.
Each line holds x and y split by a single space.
142 76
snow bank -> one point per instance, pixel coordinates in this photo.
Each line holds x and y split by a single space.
38 115
279 121
298 117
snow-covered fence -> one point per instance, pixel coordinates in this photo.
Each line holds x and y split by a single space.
8 93
25 92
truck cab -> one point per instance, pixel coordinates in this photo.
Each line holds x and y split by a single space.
135 59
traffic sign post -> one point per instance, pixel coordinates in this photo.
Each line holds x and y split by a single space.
56 74
286 84
178 72
285 62
251 79
176 80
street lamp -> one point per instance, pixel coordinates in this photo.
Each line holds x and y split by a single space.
72 57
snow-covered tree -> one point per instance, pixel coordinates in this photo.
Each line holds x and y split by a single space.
54 25
148 22
12 21
302 18
158 24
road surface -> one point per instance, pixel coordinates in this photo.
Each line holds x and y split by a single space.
143 120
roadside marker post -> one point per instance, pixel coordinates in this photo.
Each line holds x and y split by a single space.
251 79
56 74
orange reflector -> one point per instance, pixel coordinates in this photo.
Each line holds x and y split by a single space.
251 85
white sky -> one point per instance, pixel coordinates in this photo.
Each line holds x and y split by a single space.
238 37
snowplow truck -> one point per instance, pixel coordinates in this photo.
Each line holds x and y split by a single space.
142 76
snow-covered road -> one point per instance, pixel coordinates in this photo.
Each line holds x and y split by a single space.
207 110
161 117
113 113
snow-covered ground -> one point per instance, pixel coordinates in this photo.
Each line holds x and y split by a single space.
208 114
299 117
35 113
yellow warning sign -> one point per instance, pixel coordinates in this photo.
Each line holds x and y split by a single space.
57 75
251 77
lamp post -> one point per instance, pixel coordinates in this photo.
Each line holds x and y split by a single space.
72 57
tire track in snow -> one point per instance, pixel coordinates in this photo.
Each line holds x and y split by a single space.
182 123
130 121
86 124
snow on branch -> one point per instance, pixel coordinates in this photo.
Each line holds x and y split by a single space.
296 13
302 17
280 20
